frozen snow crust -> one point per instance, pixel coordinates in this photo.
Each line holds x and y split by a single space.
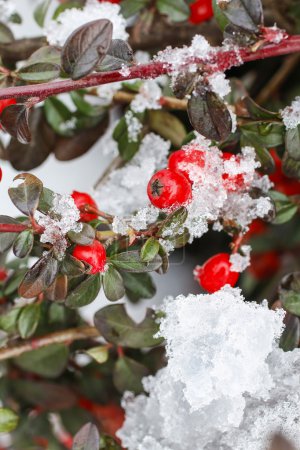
227 385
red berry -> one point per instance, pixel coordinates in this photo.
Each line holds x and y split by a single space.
3 274
264 265
232 182
201 10
215 273
283 184
257 227
82 199
94 255
189 162
169 189
5 103
0 174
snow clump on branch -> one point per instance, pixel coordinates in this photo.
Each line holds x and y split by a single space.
227 385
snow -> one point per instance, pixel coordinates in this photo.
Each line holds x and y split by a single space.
148 97
227 385
219 84
62 218
57 31
7 8
240 261
134 126
291 114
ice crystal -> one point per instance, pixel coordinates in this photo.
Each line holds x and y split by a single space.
134 126
240 262
147 98
57 31
61 218
227 385
291 114
129 184
7 8
219 84
119 225
124 71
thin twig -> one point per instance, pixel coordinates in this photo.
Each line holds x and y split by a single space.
166 102
58 337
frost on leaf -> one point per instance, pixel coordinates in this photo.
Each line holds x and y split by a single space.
7 9
62 218
57 31
291 114
227 385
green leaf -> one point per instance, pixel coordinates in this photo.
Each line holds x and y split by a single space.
39 72
138 286
26 196
85 293
174 222
46 54
57 114
99 354
290 166
39 277
127 148
87 438
128 375
23 244
256 111
150 249
263 134
86 47
85 107
64 7
246 14
8 420
267 163
6 35
289 293
41 11
49 361
181 239
285 209
46 200
14 281
113 284
220 17
176 10
118 328
131 7
85 237
131 262
7 239
292 142
28 320
8 321
72 267
119 54
289 339
167 125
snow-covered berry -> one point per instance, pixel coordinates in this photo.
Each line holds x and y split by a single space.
94 255
169 189
189 162
82 199
232 181
215 273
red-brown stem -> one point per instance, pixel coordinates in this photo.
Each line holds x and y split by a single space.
237 243
120 351
222 60
12 228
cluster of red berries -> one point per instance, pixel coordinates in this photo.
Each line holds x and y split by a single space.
93 254
283 184
215 273
172 187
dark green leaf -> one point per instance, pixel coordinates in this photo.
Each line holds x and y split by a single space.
256 112
46 54
131 262
181 239
85 107
118 328
263 134
26 196
8 420
127 148
8 321
292 142
7 239
176 10
289 293
209 115
174 222
41 11
61 8
219 16
39 72
113 284
39 277
138 286
267 163
128 375
87 438
23 244
247 14
49 361
85 237
15 121
72 267
119 53
289 339
290 166
285 209
13 283
131 7
149 249
85 293
6 35
167 125
46 200
28 320
86 47
57 114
